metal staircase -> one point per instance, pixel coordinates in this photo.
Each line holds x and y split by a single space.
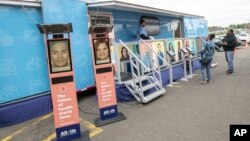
146 82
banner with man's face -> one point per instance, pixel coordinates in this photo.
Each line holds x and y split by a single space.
158 47
134 48
59 55
178 47
63 89
144 53
193 46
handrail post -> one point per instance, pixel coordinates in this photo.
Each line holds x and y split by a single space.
118 73
185 68
190 68
184 63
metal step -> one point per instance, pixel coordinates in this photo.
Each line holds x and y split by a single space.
152 96
136 96
148 86
143 78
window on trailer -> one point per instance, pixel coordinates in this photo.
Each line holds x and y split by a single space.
100 20
152 25
177 32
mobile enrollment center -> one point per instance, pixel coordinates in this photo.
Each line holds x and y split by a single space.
141 73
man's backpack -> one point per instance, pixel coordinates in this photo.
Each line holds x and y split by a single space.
207 56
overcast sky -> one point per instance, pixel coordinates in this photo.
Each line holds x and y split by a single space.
217 12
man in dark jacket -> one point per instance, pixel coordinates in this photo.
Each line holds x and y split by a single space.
229 44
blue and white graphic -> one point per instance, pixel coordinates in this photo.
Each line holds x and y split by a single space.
194 27
4 12
22 48
60 11
23 66
8 92
30 35
7 68
35 63
36 85
5 39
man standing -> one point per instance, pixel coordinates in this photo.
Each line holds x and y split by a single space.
142 31
229 44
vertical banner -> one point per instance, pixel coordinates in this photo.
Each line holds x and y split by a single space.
123 56
63 89
123 53
178 47
200 41
144 53
158 47
135 48
104 78
193 47
187 48
170 51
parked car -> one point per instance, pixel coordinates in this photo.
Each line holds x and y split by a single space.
217 41
239 42
220 37
244 37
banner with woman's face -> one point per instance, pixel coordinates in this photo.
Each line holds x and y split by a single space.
123 56
143 48
170 50
191 44
101 51
59 55
123 53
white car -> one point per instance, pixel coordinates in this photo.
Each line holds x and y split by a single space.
245 37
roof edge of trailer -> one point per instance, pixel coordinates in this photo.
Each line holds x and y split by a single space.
114 4
30 3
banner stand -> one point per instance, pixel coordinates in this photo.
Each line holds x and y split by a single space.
62 84
103 70
184 51
191 75
171 81
84 135
99 122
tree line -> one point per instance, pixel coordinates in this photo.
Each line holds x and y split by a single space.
233 26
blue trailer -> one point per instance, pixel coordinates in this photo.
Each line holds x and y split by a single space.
24 83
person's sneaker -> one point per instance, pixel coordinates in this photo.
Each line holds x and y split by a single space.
208 81
230 72
203 82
